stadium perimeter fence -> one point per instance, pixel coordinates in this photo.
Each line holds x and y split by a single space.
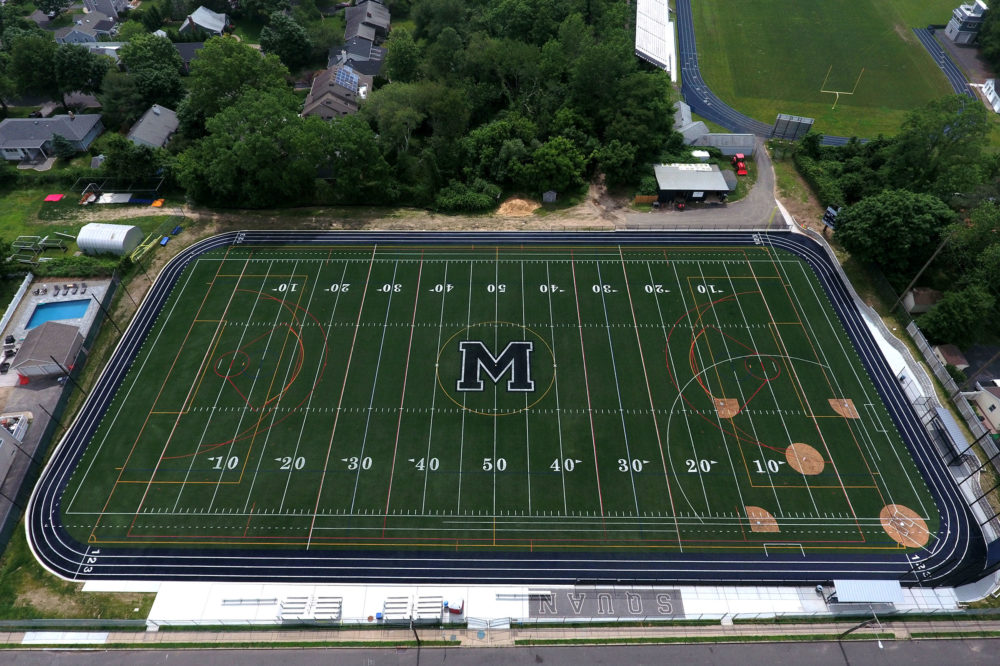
12 508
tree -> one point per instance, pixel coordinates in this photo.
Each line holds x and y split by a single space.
159 85
402 57
939 148
354 161
126 160
53 7
285 38
131 29
63 147
496 151
78 69
32 62
222 72
616 160
958 316
260 10
446 56
556 165
896 229
7 86
273 162
149 50
121 101
430 17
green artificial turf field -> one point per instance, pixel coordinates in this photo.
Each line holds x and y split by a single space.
770 57
542 398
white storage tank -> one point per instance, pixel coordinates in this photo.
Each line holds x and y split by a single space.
100 238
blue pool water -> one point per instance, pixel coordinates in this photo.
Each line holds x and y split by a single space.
60 310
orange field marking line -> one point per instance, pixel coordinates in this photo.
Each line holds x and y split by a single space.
649 392
798 380
293 314
121 471
191 389
340 400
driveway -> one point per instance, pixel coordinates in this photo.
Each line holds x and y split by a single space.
757 210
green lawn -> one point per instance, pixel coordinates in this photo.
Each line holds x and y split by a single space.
765 58
323 396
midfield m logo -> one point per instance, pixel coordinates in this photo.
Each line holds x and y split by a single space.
515 359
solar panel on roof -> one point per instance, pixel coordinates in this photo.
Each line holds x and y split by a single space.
348 79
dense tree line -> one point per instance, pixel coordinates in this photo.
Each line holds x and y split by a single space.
933 185
482 97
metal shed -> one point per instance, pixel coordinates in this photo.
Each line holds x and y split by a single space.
48 351
100 238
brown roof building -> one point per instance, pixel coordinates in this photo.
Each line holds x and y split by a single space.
336 92
48 350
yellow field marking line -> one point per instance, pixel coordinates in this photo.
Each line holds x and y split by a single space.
177 421
293 315
798 380
220 330
160 392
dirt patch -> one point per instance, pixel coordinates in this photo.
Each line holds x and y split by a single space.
904 33
904 525
804 459
761 520
515 207
726 408
845 407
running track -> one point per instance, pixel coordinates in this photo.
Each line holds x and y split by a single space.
700 97
951 71
957 555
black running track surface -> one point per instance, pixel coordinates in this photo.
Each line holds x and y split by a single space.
700 97
955 555
951 71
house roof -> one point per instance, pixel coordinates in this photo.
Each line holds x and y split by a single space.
992 390
690 177
49 339
359 53
952 355
370 13
33 132
925 296
328 85
155 126
188 50
205 18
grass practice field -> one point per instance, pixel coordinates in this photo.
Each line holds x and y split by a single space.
772 57
537 398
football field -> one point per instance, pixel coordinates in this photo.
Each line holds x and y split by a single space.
528 398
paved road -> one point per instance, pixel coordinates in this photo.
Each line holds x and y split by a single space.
700 97
951 71
965 652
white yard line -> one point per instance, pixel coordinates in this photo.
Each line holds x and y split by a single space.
371 399
618 391
461 446
218 396
267 346
434 392
555 382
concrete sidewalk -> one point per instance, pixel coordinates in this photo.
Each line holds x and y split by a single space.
889 630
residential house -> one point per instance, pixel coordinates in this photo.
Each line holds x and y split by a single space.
86 28
359 54
951 355
335 92
206 20
188 51
966 20
110 8
987 399
109 49
920 299
369 20
31 138
155 127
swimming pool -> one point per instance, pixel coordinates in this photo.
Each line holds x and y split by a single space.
59 310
